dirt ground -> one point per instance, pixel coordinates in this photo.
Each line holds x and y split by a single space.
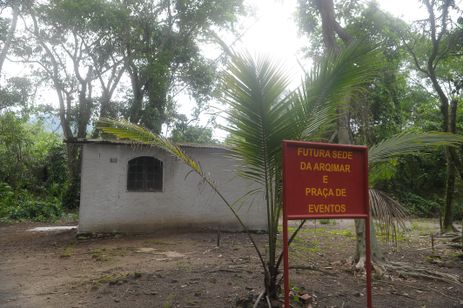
56 269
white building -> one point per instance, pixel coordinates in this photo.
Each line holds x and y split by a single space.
126 188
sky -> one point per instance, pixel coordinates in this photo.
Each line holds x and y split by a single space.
273 32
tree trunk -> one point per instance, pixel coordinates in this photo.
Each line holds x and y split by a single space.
449 192
9 37
106 110
85 108
326 9
447 221
377 256
136 107
330 28
272 288
448 116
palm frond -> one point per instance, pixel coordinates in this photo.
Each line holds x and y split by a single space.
138 135
336 77
258 115
410 143
388 212
262 114
342 74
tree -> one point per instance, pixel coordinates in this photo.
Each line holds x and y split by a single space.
83 49
16 93
24 149
431 45
7 36
380 111
330 28
162 53
184 131
61 54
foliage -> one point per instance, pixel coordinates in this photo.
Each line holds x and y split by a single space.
184 131
33 170
22 205
24 149
397 100
419 206
161 41
409 143
15 93
384 208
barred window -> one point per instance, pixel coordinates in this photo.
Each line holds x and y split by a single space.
144 174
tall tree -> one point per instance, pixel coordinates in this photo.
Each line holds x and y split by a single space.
378 108
432 43
84 48
14 91
162 53
8 30
331 30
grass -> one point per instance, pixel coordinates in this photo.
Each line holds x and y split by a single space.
158 242
168 302
100 255
342 232
301 245
398 237
305 230
103 254
327 221
423 228
115 279
67 252
184 267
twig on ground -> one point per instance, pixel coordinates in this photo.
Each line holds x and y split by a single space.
407 270
424 288
258 299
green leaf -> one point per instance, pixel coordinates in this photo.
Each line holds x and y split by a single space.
410 143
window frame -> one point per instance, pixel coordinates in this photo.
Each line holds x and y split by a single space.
138 174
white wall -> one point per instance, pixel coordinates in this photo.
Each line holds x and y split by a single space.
107 206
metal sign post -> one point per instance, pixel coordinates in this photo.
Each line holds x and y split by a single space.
325 181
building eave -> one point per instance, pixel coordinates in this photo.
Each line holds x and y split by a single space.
128 142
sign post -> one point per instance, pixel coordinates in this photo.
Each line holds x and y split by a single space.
325 181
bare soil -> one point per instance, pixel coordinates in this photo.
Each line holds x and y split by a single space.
56 269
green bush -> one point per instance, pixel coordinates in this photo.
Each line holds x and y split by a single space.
419 206
6 199
36 210
33 170
22 205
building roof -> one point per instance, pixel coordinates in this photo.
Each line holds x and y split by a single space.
128 142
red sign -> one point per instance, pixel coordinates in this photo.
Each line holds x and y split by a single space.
325 180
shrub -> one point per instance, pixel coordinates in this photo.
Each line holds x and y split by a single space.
36 210
22 205
6 199
419 206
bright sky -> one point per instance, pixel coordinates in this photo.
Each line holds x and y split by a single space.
273 32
